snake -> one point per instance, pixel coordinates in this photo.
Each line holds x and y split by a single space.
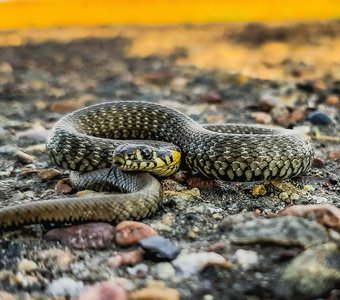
105 138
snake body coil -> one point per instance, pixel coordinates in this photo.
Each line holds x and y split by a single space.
85 139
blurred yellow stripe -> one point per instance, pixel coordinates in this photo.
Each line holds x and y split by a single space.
27 13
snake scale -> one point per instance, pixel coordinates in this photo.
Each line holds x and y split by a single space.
84 140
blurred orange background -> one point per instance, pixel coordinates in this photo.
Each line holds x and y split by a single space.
31 13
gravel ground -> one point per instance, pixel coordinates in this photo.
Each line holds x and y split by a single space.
244 248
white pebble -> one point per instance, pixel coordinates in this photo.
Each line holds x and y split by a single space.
247 258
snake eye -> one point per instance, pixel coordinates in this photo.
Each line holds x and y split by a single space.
146 153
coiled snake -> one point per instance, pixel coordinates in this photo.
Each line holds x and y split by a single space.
85 139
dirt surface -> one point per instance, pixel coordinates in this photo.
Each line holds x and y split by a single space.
253 73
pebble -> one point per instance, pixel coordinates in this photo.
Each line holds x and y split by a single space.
163 271
262 117
247 258
287 231
318 163
65 105
91 235
268 100
334 155
126 258
201 183
193 263
332 99
161 227
64 286
319 118
24 157
325 214
311 274
62 187
155 293
211 97
26 265
140 270
47 174
62 258
103 291
130 232
158 248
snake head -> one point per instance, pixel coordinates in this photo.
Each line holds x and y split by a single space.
160 161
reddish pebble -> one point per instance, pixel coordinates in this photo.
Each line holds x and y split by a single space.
92 235
130 232
48 174
126 258
318 163
212 97
104 291
201 183
334 155
62 187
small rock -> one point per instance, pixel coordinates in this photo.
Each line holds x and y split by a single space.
211 97
193 263
163 271
130 232
319 118
61 257
201 183
334 155
155 293
140 270
268 100
47 174
247 258
219 246
24 157
26 265
332 100
66 105
159 248
62 187
318 163
258 190
103 291
311 274
262 117
91 235
126 258
65 286
283 231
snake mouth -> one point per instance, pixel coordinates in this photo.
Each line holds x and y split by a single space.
119 161
161 163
